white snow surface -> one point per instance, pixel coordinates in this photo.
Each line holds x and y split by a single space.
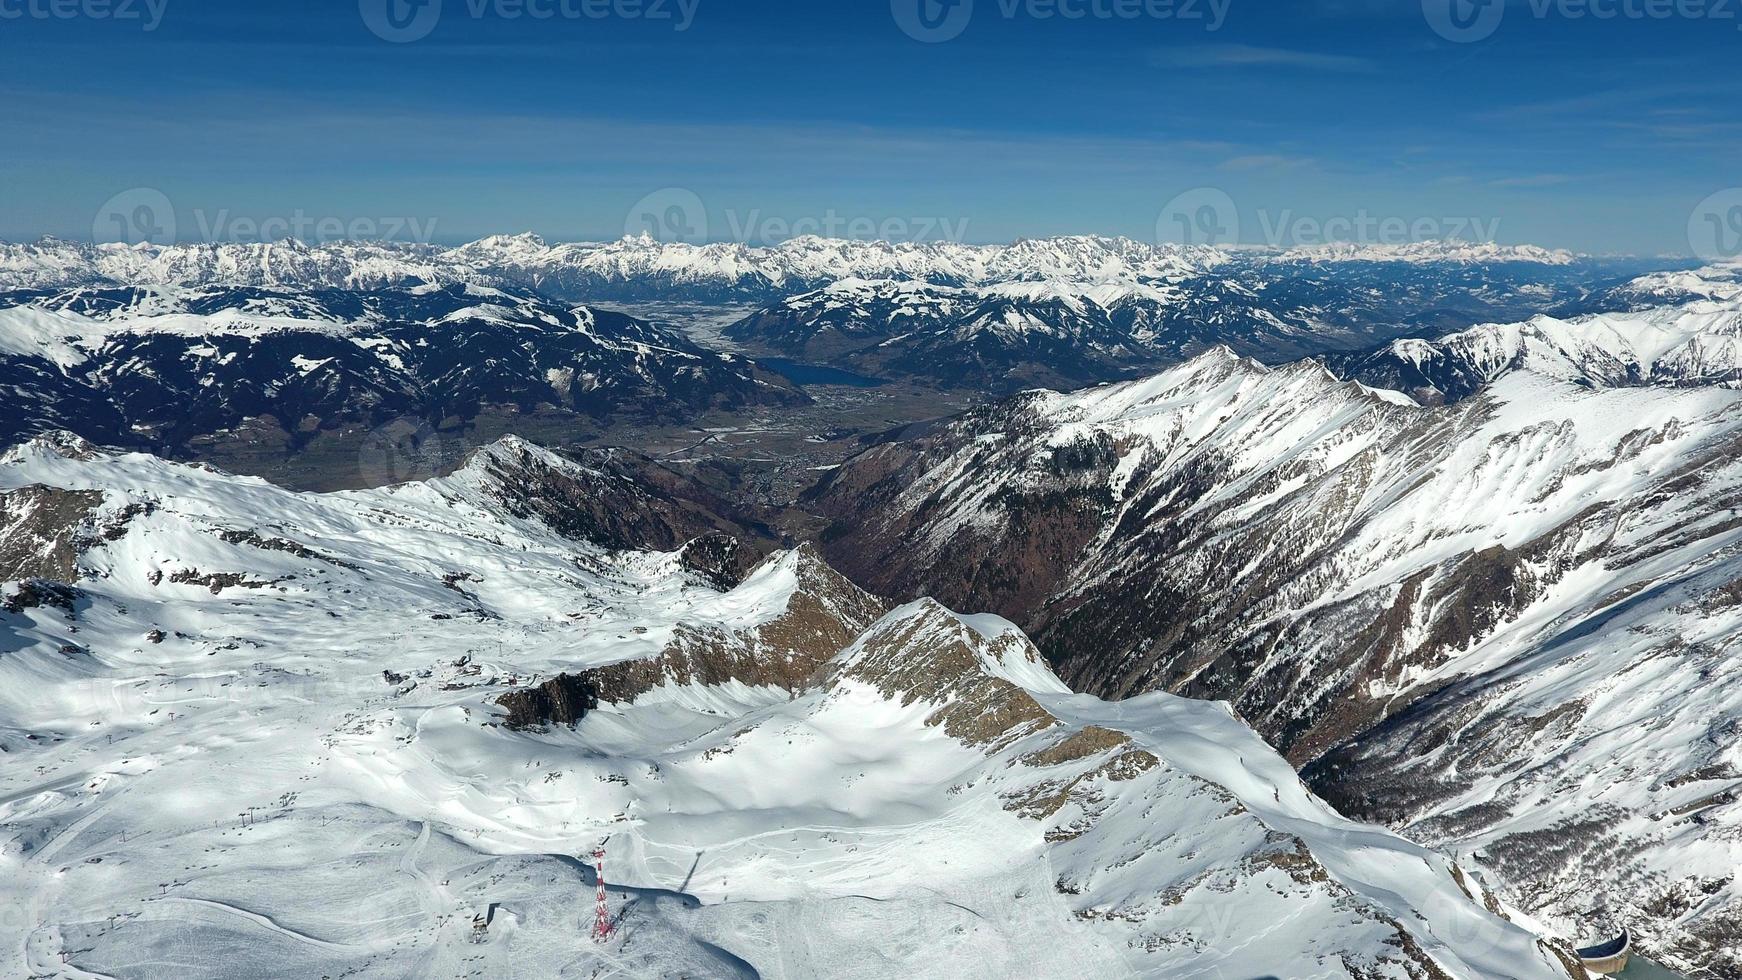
244 795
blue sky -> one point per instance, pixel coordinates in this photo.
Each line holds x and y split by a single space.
1602 135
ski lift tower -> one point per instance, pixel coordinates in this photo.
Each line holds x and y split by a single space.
602 921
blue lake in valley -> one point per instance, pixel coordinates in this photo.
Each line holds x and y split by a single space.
816 374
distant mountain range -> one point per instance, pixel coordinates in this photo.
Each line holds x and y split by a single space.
167 367
1065 333
643 268
1059 312
626 270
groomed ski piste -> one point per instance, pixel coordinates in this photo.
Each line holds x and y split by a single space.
205 771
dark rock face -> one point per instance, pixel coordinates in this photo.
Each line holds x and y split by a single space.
563 700
719 558
216 582
1044 527
931 657
620 500
41 530
824 614
38 594
255 540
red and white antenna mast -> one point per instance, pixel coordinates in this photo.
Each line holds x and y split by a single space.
602 922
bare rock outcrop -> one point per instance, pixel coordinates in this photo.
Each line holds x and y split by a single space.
823 614
563 700
41 530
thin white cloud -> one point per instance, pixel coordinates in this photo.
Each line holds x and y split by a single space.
1534 180
1264 161
1237 56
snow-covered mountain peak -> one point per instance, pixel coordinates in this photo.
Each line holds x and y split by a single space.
501 461
978 678
1219 380
523 243
1417 253
1696 343
1719 281
59 444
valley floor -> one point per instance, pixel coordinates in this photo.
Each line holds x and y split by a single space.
762 456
